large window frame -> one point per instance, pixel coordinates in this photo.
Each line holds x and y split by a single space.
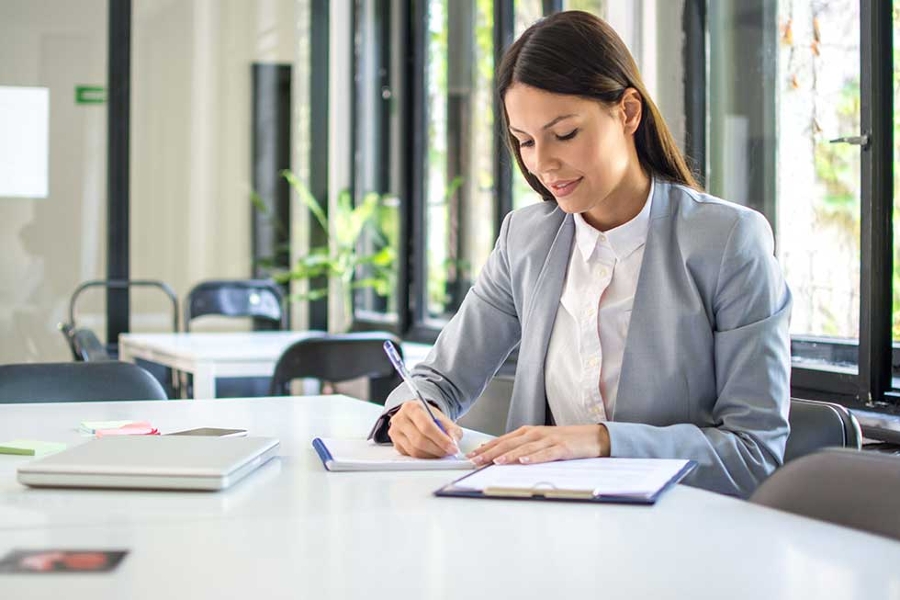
856 375
871 386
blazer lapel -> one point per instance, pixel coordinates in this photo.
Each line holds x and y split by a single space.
530 404
642 328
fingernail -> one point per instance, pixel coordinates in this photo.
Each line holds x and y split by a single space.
524 460
470 454
478 460
500 460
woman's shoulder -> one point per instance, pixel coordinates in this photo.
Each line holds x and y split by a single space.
704 213
534 222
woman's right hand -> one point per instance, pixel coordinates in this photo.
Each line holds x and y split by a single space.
413 433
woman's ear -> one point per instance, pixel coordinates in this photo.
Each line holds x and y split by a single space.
632 110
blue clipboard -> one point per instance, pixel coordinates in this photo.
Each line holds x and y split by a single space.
453 490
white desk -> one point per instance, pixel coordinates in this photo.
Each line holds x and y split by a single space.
210 355
293 530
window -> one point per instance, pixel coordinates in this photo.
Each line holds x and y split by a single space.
459 192
789 136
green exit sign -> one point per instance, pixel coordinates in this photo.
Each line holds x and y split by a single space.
90 94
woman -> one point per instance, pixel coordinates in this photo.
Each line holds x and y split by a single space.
651 318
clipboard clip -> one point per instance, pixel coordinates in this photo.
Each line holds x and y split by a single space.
543 489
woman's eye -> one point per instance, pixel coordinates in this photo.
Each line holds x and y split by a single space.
568 136
526 143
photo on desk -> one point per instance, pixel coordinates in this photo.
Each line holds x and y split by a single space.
61 561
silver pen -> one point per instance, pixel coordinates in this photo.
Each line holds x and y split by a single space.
395 359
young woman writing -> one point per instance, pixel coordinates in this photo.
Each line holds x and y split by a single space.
651 318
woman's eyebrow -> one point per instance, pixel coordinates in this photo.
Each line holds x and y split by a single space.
548 125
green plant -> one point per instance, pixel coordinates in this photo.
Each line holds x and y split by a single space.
347 231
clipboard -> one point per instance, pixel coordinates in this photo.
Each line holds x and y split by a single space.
542 489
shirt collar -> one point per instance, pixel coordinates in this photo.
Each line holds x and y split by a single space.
623 240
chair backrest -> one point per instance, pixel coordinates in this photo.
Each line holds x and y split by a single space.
84 343
338 358
77 382
258 298
87 346
847 487
816 425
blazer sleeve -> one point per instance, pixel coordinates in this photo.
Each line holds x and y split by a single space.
746 441
476 341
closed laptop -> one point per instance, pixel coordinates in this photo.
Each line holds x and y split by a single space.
152 462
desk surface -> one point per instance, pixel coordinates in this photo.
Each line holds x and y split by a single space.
293 530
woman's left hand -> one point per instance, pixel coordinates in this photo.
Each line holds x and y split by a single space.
527 445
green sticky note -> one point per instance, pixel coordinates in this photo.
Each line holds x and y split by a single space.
30 447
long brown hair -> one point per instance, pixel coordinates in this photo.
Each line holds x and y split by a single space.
579 54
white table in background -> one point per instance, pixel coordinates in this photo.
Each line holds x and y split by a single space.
210 355
293 530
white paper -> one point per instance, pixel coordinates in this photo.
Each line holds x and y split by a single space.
600 476
364 455
24 141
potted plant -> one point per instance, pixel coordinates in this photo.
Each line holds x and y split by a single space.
344 258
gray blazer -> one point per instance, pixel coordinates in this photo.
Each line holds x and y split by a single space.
706 369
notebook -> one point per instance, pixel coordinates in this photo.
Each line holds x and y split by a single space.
365 455
626 480
152 462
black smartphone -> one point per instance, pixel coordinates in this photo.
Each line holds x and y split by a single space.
212 431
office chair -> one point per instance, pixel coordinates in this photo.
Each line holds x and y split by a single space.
842 486
77 382
261 299
111 351
258 298
336 358
85 345
816 425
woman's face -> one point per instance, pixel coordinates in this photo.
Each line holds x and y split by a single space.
580 150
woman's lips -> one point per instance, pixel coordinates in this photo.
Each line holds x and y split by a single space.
564 188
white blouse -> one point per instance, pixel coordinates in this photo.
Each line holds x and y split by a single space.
584 358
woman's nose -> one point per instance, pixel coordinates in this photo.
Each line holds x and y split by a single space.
544 160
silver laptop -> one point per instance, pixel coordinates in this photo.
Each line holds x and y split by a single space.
152 462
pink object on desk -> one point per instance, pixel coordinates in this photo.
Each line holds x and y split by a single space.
136 428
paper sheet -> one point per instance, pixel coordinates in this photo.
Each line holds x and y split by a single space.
364 455
600 476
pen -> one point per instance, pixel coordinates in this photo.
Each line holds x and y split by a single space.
395 359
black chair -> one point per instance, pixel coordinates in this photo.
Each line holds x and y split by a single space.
336 358
816 425
258 298
84 344
77 382
111 351
261 299
847 487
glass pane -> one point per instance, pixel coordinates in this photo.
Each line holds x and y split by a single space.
773 113
459 231
896 219
53 68
378 154
597 7
527 12
211 123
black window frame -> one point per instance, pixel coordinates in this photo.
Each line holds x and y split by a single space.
857 375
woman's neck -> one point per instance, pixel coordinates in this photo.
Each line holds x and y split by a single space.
624 202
